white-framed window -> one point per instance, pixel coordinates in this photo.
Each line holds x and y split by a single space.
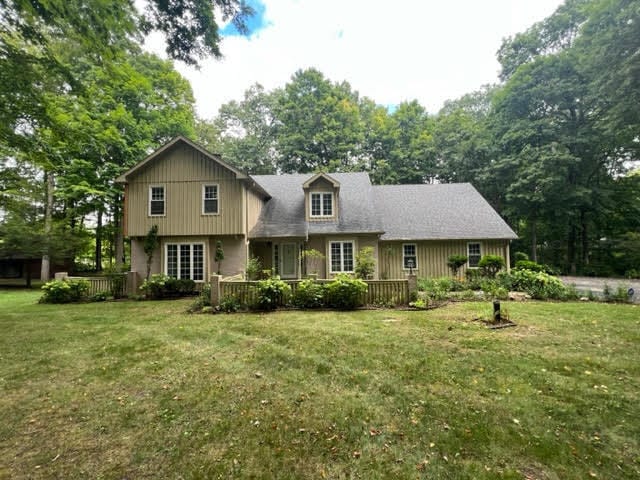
321 204
185 260
210 202
474 254
157 201
409 256
341 256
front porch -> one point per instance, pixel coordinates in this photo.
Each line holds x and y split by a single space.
281 256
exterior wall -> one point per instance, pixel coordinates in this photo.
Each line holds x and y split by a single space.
235 256
321 243
139 258
433 255
263 251
254 207
182 171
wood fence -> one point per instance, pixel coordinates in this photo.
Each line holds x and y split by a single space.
115 285
379 292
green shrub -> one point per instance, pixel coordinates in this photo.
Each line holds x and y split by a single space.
494 289
365 263
99 297
116 283
518 256
539 285
632 273
229 304
271 293
421 303
345 293
309 294
203 300
490 265
454 262
438 288
160 286
474 279
254 269
619 295
534 267
64 291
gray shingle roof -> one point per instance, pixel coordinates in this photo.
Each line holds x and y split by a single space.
284 216
438 212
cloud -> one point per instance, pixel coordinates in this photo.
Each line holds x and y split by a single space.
410 49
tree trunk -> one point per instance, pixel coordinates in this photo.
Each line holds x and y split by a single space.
99 242
28 272
45 269
534 240
571 250
585 239
119 237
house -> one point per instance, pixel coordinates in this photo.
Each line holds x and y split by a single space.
196 200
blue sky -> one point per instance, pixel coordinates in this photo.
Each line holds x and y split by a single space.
427 50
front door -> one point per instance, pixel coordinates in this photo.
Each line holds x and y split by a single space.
288 260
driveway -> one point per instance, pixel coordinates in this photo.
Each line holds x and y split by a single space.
596 285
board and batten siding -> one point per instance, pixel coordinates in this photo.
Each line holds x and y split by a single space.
432 256
254 208
183 171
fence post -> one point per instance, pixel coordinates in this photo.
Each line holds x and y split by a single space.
215 290
412 284
132 283
61 275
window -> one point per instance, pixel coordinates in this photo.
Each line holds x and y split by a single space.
473 254
156 201
409 256
210 199
185 260
341 256
322 204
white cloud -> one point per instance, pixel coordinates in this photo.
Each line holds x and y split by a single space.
409 49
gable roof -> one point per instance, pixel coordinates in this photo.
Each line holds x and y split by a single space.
284 215
180 139
319 176
438 212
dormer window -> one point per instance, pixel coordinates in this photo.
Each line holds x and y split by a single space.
321 204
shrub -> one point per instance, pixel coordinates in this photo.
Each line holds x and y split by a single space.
254 269
539 285
345 293
518 256
271 293
116 284
99 297
229 304
474 279
160 286
64 291
309 294
533 266
494 289
490 265
619 295
454 262
365 263
203 300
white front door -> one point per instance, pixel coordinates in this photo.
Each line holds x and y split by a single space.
288 260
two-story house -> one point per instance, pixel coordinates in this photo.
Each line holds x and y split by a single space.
196 200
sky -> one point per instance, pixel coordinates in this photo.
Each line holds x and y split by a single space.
391 52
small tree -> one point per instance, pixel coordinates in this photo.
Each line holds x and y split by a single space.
219 255
490 265
454 262
151 243
365 263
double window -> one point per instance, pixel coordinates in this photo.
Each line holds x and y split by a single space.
156 201
341 256
185 260
210 199
409 256
321 204
473 254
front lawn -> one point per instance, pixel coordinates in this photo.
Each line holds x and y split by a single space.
143 390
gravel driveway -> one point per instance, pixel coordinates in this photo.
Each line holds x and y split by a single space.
596 285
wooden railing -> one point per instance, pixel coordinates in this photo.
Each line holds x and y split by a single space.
105 284
379 292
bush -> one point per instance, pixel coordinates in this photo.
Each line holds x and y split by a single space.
64 291
99 297
271 293
518 256
474 279
539 285
229 304
454 262
161 286
254 269
365 263
203 300
490 265
309 294
534 267
345 293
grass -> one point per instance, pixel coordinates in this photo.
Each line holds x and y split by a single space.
143 390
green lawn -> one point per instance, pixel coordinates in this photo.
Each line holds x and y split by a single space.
143 390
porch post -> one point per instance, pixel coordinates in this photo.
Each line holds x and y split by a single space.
215 290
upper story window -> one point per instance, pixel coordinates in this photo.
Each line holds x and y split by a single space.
156 201
409 256
321 204
473 254
210 199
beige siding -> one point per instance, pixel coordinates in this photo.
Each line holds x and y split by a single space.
139 258
433 255
235 256
183 171
360 241
254 207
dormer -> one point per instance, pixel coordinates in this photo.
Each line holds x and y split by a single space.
321 196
